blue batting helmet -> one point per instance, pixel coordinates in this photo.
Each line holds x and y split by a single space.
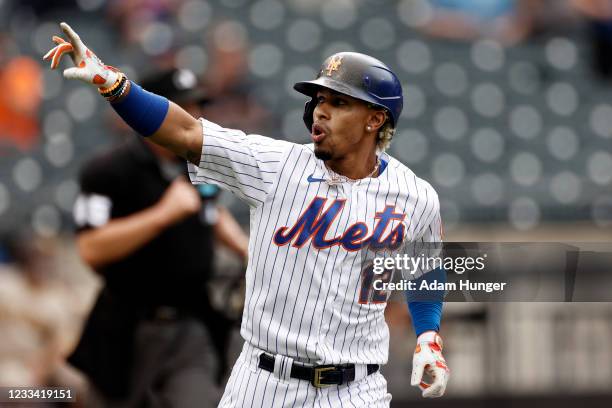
359 76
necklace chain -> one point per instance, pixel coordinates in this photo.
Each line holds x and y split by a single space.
336 178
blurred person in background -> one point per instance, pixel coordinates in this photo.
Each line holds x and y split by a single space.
21 96
507 21
227 81
131 16
37 310
598 16
152 335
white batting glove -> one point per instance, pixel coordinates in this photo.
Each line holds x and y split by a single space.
428 360
88 67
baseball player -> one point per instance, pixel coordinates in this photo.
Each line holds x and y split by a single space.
313 333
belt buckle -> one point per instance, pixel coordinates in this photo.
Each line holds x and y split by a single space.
318 373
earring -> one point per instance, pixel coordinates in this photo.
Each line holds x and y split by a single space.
368 128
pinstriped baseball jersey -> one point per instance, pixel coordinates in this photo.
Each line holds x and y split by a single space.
303 282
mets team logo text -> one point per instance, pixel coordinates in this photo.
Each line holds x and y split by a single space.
314 224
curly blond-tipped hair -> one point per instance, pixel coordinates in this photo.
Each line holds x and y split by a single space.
385 134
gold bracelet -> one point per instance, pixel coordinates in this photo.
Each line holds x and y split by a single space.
114 86
112 94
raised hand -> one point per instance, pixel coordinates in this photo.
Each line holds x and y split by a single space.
88 67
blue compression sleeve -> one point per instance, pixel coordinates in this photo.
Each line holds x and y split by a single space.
425 316
426 305
142 110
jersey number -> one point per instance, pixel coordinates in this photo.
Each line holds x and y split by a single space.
369 279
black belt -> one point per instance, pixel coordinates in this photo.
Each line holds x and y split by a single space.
319 376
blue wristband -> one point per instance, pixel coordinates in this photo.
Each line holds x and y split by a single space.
144 111
425 316
426 306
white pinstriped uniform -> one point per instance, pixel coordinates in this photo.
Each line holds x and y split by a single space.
302 296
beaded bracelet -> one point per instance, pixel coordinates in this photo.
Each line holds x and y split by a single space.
108 92
105 91
123 89
116 90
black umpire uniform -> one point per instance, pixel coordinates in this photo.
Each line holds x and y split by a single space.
152 338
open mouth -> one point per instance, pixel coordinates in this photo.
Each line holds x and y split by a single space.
318 132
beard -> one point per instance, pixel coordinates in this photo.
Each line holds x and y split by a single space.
322 154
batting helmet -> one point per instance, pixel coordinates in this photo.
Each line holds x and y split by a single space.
357 75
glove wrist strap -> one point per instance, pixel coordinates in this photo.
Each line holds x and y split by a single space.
430 337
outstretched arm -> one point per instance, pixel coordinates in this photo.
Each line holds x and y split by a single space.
151 115
180 133
244 165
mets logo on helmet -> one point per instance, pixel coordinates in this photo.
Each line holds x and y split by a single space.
333 64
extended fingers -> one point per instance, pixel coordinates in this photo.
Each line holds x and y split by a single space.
59 40
76 73
50 53
70 33
61 50
56 54
74 38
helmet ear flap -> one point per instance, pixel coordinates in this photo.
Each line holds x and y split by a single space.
308 113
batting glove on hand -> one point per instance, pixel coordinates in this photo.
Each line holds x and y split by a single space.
88 67
428 360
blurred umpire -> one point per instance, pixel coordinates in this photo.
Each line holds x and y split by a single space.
152 338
